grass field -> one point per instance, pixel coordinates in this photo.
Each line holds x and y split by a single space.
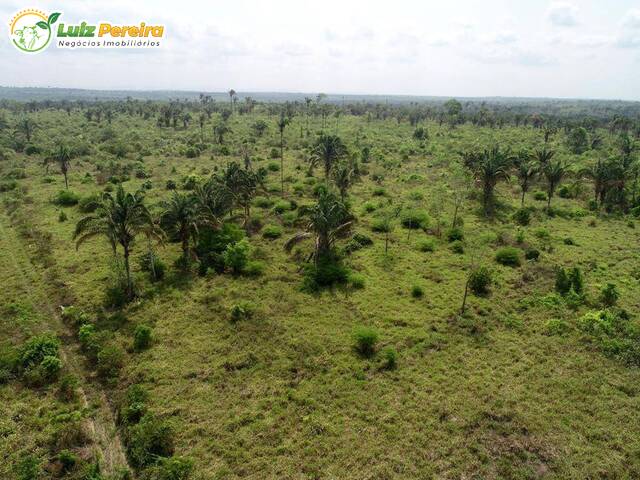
513 388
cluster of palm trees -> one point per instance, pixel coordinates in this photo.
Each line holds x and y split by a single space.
492 165
332 155
122 217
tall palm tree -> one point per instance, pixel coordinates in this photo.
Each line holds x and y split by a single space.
179 219
598 173
26 126
282 124
243 185
328 218
554 172
120 218
526 171
543 156
343 176
489 167
232 94
214 200
328 149
62 156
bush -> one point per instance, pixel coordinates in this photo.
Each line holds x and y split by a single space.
540 196
212 244
67 460
414 219
272 232
532 254
577 280
457 247
273 166
613 333
109 361
141 337
133 408
147 440
563 283
89 203
365 339
455 234
326 272
390 358
381 225
569 241
262 202
427 245
172 468
508 256
556 326
242 311
62 217
156 269
480 280
417 291
254 268
236 256
28 468
68 388
522 216
170 185
66 198
609 295
356 281
282 206
379 192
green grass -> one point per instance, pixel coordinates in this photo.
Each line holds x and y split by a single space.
496 393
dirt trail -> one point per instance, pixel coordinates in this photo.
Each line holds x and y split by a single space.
101 428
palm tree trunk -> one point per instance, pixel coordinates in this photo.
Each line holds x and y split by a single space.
128 272
282 162
66 182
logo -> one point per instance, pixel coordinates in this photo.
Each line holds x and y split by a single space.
30 30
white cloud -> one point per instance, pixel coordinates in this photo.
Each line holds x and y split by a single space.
562 14
632 19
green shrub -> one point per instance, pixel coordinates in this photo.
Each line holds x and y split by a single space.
236 256
62 217
427 245
417 291
171 185
414 219
455 234
141 337
282 206
68 388
68 460
273 166
133 407
156 270
148 440
457 247
368 207
172 468
563 282
522 216
379 192
508 256
66 198
272 232
577 280
569 241
532 254
609 295
381 225
480 280
540 196
254 268
556 326
89 203
242 311
542 234
212 244
389 358
614 334
262 202
326 272
110 360
28 468
356 281
365 339
37 348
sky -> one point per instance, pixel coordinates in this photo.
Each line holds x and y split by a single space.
523 48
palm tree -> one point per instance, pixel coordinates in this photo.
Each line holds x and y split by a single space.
232 93
62 156
120 218
328 149
220 130
282 124
343 177
328 218
598 173
526 171
543 156
179 219
243 185
554 171
26 126
214 201
488 168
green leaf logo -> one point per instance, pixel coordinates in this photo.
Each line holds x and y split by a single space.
42 25
53 17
